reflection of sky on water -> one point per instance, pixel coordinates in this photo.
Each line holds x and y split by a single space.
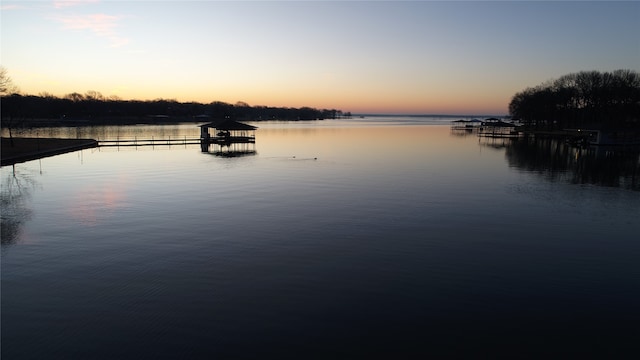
390 227
384 146
363 155
92 202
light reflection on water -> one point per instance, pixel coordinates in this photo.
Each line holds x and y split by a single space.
332 241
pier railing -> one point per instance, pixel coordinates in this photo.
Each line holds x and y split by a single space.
149 142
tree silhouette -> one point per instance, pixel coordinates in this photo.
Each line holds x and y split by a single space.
587 98
94 108
6 84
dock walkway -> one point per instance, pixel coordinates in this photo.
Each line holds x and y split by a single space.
149 142
18 150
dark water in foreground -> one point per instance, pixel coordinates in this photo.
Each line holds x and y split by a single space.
398 241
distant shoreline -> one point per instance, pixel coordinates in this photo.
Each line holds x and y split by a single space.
102 121
481 116
174 120
117 121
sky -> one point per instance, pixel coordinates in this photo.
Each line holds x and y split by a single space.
396 57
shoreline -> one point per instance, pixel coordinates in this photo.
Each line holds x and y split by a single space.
17 150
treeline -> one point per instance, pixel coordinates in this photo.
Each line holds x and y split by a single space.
93 108
583 99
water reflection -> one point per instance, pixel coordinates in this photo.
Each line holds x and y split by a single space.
464 131
557 161
167 250
231 149
14 200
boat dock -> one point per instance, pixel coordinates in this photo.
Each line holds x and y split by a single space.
229 138
135 142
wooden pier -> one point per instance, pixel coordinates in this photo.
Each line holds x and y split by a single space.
135 142
230 138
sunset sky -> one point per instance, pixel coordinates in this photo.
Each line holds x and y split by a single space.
419 57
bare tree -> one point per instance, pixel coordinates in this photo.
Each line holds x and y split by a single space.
8 88
6 84
75 97
93 95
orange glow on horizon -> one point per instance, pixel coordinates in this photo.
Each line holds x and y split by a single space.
355 99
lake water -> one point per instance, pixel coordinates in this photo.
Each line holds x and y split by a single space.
385 236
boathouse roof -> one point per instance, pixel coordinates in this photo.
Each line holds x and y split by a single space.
228 124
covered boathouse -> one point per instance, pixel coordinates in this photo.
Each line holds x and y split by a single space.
228 137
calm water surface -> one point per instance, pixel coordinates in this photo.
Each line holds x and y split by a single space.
337 239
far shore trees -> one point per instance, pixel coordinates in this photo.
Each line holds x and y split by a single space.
588 99
92 108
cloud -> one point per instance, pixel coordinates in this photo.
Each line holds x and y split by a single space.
38 5
10 7
102 25
59 4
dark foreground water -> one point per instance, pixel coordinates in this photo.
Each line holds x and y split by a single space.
343 239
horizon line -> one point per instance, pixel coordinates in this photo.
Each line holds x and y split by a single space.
429 115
